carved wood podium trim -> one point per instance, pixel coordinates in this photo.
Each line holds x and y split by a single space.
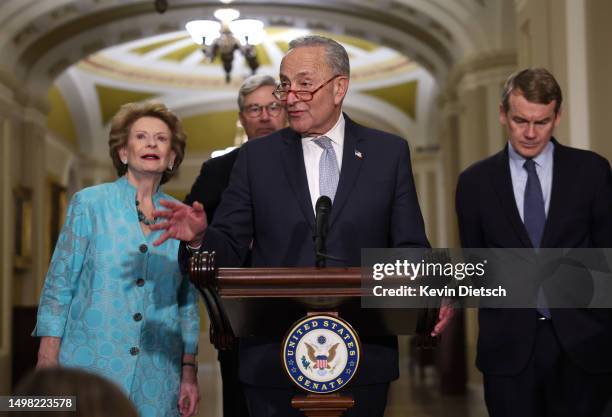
304 285
330 405
283 283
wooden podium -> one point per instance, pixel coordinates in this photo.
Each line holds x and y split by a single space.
237 298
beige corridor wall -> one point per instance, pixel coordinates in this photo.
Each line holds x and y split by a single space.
473 127
6 251
542 42
599 38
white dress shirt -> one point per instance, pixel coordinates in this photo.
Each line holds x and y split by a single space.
313 152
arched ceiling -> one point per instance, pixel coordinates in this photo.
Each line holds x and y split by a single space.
41 38
388 90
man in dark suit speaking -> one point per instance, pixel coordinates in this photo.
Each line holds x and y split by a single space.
537 193
270 202
260 114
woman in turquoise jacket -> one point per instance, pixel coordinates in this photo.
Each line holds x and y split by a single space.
113 303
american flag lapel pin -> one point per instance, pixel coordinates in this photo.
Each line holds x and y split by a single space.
358 154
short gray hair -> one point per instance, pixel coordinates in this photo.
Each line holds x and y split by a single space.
251 84
336 55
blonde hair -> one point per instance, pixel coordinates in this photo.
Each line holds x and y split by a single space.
127 115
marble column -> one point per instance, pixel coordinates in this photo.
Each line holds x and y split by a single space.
471 131
7 222
557 35
34 175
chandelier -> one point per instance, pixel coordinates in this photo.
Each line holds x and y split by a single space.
227 35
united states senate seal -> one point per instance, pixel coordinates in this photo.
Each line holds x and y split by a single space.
321 353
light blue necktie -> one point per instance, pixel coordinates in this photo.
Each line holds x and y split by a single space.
534 217
329 173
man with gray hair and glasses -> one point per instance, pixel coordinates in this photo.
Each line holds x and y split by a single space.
260 114
271 199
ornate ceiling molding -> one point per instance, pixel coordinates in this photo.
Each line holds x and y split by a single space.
423 39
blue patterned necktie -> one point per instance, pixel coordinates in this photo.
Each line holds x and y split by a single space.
534 217
329 173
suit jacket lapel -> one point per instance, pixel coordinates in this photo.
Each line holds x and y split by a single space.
560 169
502 180
293 163
351 165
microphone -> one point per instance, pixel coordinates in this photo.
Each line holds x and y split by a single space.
322 210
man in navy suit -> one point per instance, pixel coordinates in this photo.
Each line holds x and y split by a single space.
260 114
538 193
271 199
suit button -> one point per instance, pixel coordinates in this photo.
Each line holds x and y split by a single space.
140 282
143 248
134 351
137 317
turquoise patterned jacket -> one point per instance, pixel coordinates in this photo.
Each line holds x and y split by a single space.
119 304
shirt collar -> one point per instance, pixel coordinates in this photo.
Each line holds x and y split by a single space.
542 159
336 133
